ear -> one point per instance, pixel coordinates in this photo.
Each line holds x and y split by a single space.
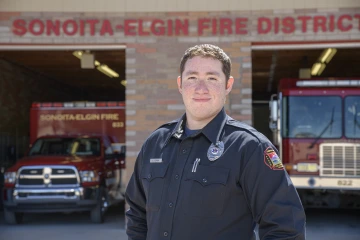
179 84
229 85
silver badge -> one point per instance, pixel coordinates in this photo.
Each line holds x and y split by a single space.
215 151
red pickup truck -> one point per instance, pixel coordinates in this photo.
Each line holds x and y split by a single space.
76 161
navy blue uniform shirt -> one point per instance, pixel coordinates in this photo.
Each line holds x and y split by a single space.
177 193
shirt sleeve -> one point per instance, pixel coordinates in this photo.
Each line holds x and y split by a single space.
135 197
272 197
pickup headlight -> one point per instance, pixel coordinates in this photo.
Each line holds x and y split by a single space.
10 177
89 176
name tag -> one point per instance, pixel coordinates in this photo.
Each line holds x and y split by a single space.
155 160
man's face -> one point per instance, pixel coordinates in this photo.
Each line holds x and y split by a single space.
203 87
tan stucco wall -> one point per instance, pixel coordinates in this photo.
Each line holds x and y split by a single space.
167 5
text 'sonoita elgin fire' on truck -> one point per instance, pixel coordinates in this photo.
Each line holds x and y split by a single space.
316 126
75 162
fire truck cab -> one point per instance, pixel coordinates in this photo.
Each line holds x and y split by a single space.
316 127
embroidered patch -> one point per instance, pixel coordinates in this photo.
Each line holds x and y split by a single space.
272 160
155 160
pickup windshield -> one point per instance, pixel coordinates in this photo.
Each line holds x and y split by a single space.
66 146
312 117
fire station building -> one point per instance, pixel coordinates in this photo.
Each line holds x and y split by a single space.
142 42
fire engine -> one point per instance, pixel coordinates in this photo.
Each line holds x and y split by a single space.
316 127
76 161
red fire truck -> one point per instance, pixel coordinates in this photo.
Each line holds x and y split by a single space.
316 126
75 162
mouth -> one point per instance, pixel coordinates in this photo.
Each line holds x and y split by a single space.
201 99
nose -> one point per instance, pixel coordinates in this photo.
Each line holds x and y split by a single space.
201 87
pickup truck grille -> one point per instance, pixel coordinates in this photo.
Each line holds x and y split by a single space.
48 176
340 159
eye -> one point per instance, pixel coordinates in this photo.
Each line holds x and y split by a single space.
192 78
212 78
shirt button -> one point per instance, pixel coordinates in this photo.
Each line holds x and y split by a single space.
176 176
149 176
204 180
184 151
166 234
170 204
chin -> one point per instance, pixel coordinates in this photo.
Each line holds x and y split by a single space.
200 115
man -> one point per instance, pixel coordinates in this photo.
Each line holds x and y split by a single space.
207 176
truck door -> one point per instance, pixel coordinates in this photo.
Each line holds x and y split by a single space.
112 173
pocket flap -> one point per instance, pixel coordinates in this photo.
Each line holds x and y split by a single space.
207 175
154 170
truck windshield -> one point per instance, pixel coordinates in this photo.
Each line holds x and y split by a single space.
352 117
66 146
312 117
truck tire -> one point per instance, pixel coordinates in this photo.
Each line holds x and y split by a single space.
97 214
13 217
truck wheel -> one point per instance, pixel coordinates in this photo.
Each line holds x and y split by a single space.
97 214
13 217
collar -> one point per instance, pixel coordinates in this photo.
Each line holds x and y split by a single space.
178 131
214 128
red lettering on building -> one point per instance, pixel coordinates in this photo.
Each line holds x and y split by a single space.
203 24
304 20
36 27
240 25
264 25
92 23
276 25
357 16
106 28
225 26
214 26
19 27
288 25
82 28
129 29
340 23
332 23
182 27
319 22
70 27
157 27
52 27
170 27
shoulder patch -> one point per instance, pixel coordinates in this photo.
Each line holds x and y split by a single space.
272 160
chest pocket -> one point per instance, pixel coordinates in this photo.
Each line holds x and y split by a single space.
153 179
207 193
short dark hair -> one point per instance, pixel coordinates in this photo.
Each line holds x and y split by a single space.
207 51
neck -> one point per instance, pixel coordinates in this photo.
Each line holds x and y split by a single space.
195 124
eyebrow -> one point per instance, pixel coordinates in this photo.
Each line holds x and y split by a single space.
197 73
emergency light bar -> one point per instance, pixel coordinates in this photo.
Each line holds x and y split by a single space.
328 83
78 104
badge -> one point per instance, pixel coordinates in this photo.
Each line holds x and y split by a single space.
215 151
272 160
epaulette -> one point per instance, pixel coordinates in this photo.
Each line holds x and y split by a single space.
245 127
232 122
168 124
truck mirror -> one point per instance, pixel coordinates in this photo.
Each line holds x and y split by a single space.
273 110
273 104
